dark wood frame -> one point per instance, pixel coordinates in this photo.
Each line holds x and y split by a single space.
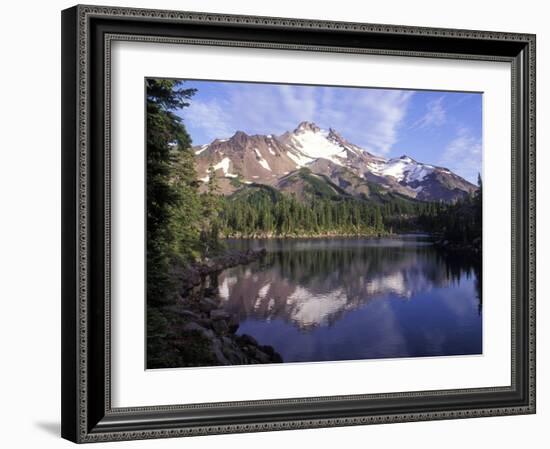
87 32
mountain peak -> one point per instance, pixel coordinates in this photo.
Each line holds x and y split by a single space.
307 126
335 136
406 158
239 138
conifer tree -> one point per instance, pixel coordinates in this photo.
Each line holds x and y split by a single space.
170 192
210 212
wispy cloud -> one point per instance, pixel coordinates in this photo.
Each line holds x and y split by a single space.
463 154
436 114
383 115
211 117
368 117
299 102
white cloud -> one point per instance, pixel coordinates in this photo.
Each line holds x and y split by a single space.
436 115
463 155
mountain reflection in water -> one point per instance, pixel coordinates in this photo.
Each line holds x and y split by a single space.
354 298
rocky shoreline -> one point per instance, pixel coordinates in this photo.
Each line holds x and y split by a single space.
203 318
196 274
198 332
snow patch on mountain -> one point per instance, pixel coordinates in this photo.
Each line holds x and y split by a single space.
315 145
403 169
224 166
202 148
264 164
299 158
261 160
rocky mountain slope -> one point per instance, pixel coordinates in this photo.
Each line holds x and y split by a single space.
309 155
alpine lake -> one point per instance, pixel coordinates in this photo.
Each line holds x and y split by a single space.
355 298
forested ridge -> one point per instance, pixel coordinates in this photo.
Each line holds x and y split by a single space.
459 222
264 212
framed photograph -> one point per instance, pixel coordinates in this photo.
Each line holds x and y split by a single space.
277 223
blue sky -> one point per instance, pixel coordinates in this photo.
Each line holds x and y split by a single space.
435 127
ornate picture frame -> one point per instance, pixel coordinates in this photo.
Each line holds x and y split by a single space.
87 35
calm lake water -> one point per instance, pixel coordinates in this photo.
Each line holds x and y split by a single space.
355 298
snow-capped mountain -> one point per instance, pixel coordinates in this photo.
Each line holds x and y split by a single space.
273 160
